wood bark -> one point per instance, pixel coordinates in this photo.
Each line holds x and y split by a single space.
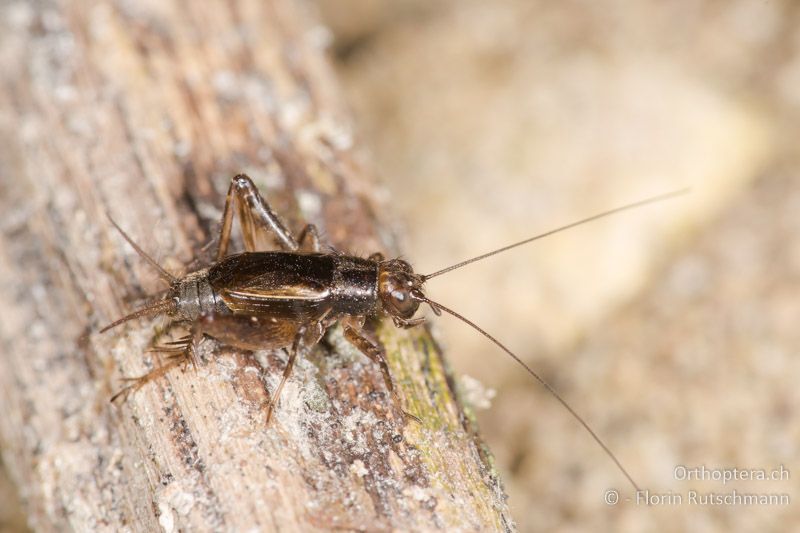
144 110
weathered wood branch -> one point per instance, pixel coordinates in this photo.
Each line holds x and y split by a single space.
144 110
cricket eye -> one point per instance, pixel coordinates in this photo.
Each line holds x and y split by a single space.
403 303
396 296
400 298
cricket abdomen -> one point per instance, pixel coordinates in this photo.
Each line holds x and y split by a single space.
295 285
196 297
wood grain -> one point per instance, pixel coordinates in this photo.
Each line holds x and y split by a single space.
145 110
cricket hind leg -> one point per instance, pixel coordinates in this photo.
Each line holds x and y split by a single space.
306 336
263 333
249 333
244 332
136 383
296 345
259 221
255 216
354 335
181 351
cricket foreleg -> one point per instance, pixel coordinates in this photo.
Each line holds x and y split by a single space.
354 335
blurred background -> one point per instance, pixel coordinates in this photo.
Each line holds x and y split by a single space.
672 329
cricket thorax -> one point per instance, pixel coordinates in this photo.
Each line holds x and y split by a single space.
354 286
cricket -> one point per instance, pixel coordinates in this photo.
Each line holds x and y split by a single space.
288 298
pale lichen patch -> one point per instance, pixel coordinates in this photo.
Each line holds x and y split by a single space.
476 393
358 468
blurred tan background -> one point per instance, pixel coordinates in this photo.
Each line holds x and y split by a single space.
672 329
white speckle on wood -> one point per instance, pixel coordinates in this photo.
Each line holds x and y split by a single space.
166 519
226 84
294 110
182 148
19 14
418 493
358 468
475 393
227 367
320 36
333 131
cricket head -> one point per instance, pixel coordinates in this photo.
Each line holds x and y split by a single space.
400 291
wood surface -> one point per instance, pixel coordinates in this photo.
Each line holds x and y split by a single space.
145 110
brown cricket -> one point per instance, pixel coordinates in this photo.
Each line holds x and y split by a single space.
258 300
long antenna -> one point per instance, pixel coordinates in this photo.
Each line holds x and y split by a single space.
166 276
634 205
437 306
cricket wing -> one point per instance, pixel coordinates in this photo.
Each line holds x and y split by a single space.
296 300
279 285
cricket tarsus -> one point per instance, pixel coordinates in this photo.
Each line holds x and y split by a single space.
287 299
592 218
138 382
